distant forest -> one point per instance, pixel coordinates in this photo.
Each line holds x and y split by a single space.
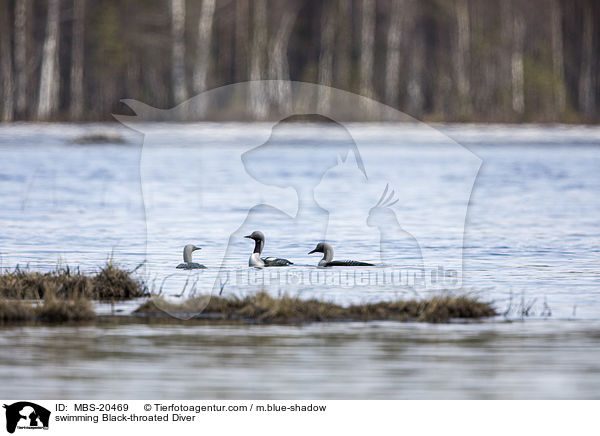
443 60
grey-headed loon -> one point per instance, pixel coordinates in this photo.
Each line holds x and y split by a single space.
327 250
187 258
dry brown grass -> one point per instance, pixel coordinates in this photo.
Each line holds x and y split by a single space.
56 310
264 308
65 296
51 310
111 283
14 311
114 283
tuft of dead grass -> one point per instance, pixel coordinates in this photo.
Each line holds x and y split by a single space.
264 308
51 310
99 138
56 310
111 283
14 311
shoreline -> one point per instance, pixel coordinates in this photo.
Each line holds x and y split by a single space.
65 295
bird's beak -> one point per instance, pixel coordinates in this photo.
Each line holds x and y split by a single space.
197 248
248 236
313 251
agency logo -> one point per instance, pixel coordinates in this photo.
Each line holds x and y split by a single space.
26 415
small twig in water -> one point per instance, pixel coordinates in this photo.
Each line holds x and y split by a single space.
137 267
546 311
508 309
223 286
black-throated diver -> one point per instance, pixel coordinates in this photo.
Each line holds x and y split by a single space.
327 250
256 260
187 258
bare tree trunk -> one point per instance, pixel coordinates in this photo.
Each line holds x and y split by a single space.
177 9
7 73
258 98
49 75
484 72
517 72
133 76
77 59
241 40
21 70
328 21
367 38
399 10
222 67
415 75
205 24
587 99
560 99
505 56
344 44
462 56
278 57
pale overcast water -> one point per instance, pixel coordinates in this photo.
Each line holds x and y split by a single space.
509 214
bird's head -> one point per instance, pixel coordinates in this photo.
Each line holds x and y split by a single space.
256 235
187 252
320 248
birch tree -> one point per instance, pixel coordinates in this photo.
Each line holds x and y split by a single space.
505 55
414 89
205 25
343 50
177 9
557 57
6 67
241 40
513 32
367 38
517 69
278 65
463 56
399 10
77 58
325 74
258 99
49 75
21 36
586 88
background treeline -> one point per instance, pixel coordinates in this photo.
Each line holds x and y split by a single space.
451 60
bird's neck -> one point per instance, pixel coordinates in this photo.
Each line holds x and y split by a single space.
255 260
258 246
328 254
187 255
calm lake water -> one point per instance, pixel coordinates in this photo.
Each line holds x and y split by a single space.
529 241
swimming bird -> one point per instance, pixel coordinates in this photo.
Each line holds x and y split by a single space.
187 258
256 260
327 250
